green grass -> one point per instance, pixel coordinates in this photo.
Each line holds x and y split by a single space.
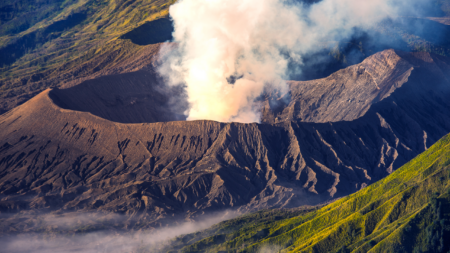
60 36
405 212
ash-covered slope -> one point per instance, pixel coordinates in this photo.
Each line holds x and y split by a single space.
58 159
349 93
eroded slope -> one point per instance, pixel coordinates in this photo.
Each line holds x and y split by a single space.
58 159
407 211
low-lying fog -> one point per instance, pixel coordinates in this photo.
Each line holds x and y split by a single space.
92 232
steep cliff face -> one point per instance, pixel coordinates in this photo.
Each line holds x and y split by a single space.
336 136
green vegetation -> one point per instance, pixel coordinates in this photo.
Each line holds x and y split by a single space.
17 16
45 43
408 211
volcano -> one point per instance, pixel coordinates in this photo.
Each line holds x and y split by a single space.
111 145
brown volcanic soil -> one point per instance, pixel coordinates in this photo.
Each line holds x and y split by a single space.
323 146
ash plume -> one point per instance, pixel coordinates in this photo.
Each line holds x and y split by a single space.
227 51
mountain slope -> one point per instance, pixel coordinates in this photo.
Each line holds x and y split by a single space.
55 159
408 211
67 42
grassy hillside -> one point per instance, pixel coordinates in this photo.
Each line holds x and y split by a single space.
47 43
409 211
51 26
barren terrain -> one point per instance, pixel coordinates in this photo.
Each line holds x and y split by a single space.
326 143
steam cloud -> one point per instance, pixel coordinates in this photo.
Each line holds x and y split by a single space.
229 50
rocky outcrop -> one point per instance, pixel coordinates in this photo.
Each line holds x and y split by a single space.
322 146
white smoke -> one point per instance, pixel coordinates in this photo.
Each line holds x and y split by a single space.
253 41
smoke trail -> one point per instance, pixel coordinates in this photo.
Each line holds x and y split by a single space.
229 50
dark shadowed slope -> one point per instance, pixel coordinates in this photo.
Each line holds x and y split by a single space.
137 97
59 159
156 31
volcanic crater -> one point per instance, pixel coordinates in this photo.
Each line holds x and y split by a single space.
110 143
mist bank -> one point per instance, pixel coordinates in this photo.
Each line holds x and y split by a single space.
94 232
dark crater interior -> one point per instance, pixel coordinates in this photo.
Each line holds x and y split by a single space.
137 97
156 31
